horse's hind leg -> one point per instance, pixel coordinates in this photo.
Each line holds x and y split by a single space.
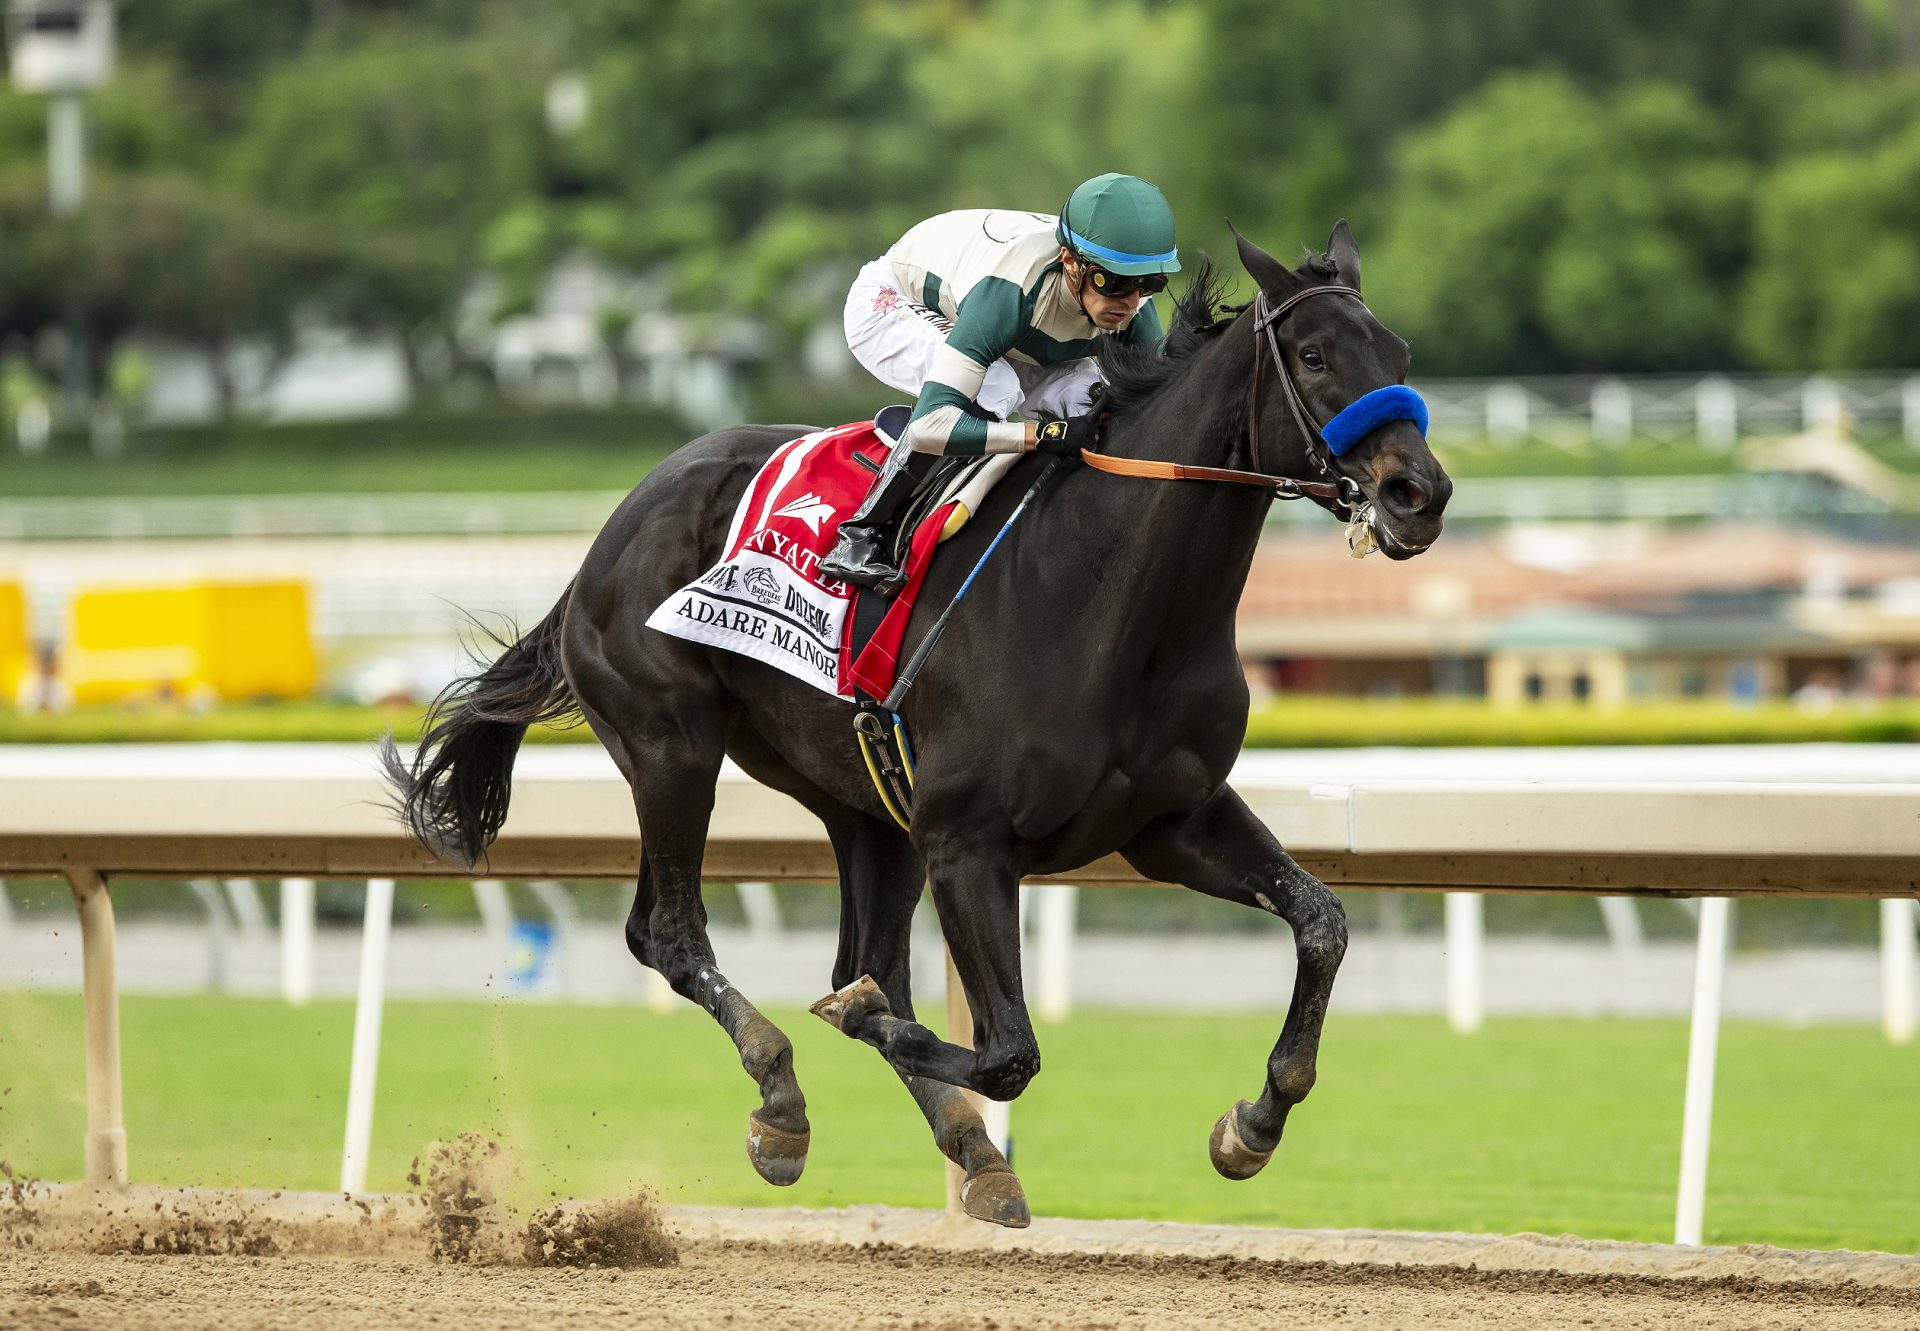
1221 849
673 781
880 876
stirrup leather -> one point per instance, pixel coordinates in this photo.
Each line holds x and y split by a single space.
883 744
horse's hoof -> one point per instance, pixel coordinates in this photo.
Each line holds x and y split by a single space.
1231 1155
997 1198
778 1155
844 1009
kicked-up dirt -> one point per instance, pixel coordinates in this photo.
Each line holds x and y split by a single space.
334 1265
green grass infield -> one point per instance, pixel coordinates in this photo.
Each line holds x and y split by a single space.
1550 1126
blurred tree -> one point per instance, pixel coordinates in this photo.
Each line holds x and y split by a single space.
222 48
1539 228
170 260
29 294
136 122
1478 201
177 262
1538 184
415 146
404 132
1025 102
1652 241
747 143
1790 105
217 45
1835 282
1310 101
404 286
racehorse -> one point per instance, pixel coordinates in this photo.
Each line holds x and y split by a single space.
1088 700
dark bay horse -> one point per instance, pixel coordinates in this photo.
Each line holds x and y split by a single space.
1087 700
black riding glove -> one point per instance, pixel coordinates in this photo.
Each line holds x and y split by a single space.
1067 436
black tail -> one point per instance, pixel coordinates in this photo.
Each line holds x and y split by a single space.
454 794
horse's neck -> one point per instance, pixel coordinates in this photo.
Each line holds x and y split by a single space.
1198 536
1201 417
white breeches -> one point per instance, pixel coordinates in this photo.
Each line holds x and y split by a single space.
896 339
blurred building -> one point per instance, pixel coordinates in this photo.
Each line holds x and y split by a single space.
1600 614
590 336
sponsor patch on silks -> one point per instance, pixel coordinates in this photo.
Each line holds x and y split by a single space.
767 598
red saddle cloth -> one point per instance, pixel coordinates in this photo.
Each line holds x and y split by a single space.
767 598
875 669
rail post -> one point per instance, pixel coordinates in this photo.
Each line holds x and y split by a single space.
1466 985
1056 909
106 1128
296 940
1898 964
1703 1048
368 1009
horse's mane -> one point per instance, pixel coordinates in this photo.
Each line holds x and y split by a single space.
1135 374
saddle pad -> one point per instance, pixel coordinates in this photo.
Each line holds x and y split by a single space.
767 598
873 671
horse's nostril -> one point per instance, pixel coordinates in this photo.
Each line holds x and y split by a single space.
1404 495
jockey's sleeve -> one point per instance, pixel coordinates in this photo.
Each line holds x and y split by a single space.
946 419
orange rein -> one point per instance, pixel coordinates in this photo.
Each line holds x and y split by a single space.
1181 471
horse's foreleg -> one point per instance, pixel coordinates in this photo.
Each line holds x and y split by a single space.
667 930
1224 851
979 914
880 877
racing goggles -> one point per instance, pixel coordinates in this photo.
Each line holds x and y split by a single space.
1119 285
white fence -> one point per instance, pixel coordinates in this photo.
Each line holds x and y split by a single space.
520 513
316 811
1568 411
1716 410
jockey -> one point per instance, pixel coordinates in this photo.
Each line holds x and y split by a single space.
982 312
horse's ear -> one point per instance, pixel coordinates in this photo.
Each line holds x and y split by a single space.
1272 275
1345 254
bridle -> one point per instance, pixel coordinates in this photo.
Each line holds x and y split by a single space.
1339 491
1266 321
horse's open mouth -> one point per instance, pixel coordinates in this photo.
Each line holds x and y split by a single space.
1369 530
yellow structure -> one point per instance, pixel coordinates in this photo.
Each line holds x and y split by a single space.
231 640
1571 654
1595 675
16 653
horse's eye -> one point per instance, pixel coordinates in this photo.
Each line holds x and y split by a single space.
1311 359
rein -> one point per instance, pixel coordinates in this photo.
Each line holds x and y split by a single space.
1341 490
1285 487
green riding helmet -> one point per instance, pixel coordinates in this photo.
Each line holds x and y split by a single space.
1121 223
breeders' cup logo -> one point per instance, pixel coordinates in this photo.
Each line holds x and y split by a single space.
761 586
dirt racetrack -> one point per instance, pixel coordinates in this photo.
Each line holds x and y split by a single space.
174 1261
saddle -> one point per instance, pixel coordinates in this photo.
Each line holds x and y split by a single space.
943 481
945 500
767 599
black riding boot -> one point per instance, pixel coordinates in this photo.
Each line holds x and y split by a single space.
860 555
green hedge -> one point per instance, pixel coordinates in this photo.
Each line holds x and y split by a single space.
1328 722
1290 722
